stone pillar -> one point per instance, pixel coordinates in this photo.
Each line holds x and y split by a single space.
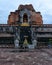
16 42
34 41
17 38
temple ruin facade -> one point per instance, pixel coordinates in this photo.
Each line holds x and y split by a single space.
25 29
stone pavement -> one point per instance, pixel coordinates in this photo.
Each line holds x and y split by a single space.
36 57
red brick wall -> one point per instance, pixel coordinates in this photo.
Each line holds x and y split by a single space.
13 18
36 17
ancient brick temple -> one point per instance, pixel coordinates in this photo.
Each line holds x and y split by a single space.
25 12
25 29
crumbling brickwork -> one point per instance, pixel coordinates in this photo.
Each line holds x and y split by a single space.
36 17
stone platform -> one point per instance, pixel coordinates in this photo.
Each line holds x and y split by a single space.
36 57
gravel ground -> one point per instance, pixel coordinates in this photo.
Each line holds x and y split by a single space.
36 57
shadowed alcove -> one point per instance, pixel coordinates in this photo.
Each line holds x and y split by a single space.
25 18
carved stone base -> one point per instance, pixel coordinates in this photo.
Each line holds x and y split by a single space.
16 42
33 45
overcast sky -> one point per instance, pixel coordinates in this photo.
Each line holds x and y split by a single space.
44 6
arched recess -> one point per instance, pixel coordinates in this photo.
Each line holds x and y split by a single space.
25 13
25 18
